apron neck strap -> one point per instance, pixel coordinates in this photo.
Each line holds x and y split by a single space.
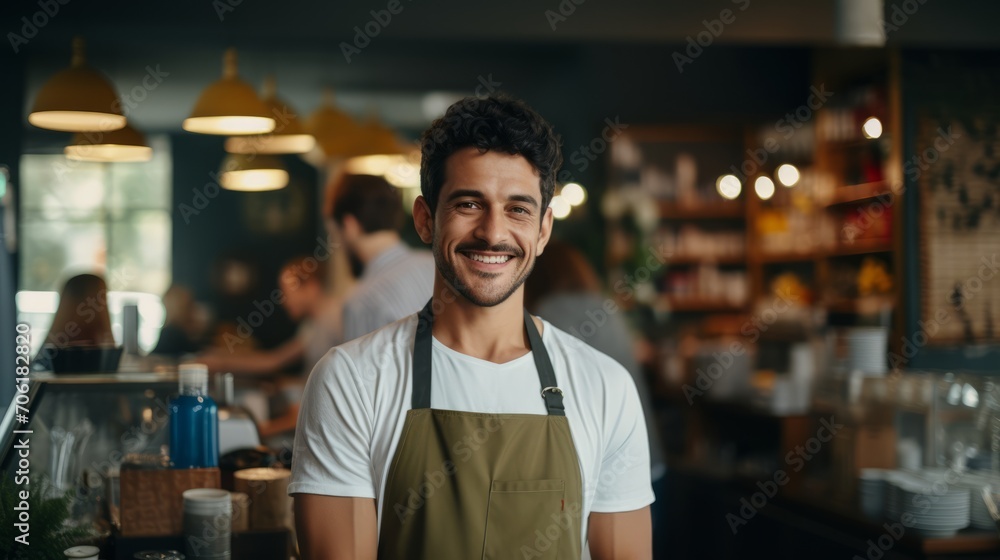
422 346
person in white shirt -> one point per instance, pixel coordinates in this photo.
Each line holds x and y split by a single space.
396 281
473 429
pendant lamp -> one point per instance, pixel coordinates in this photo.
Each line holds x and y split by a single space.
243 172
77 99
335 131
289 136
123 145
229 106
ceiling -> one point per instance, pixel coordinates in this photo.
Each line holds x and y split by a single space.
442 45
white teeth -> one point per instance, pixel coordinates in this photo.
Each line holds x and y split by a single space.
489 260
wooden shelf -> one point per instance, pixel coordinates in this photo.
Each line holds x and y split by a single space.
863 247
862 305
705 259
786 257
697 305
859 193
720 211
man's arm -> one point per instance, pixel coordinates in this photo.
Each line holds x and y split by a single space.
255 362
335 528
627 535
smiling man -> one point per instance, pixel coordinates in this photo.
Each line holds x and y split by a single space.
472 429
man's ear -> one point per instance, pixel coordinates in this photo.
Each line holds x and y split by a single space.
545 233
350 227
423 219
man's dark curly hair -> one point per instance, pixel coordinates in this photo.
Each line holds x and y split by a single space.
499 123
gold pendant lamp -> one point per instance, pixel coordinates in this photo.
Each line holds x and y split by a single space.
289 136
122 145
229 106
77 99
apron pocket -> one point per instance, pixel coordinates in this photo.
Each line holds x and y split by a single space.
526 519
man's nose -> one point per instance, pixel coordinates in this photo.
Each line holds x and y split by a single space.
492 227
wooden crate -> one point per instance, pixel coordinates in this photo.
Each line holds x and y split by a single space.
151 499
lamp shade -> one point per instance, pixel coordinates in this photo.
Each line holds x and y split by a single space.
375 139
122 145
289 136
335 131
229 106
77 99
242 172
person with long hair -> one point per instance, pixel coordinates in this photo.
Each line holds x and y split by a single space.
81 318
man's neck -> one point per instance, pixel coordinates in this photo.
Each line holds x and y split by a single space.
371 245
494 334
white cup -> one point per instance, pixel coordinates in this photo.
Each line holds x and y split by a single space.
208 518
82 552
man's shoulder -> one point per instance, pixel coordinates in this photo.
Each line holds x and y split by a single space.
368 353
393 335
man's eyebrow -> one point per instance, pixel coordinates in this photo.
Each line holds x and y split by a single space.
464 193
524 198
472 193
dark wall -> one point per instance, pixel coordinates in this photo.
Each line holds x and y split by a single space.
11 101
212 225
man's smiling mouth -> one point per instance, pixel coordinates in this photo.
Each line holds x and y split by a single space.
487 258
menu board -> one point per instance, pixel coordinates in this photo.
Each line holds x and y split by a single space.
956 165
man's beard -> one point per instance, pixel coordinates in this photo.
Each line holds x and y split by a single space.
450 275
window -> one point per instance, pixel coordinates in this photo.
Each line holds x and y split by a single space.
111 219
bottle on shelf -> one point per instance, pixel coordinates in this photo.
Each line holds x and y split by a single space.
194 421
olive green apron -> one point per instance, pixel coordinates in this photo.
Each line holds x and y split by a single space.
471 485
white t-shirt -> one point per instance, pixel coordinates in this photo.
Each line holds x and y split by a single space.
356 400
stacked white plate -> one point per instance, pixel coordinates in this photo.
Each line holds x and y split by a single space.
936 509
979 514
871 492
867 349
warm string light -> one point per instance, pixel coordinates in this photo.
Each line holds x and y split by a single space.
729 186
788 175
764 187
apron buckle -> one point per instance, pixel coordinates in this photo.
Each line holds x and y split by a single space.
553 389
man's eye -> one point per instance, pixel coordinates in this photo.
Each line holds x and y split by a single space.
519 210
467 205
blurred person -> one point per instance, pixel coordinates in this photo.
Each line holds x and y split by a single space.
181 332
304 297
564 290
396 280
81 318
302 288
513 424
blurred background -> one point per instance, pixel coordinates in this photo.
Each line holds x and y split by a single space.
789 210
